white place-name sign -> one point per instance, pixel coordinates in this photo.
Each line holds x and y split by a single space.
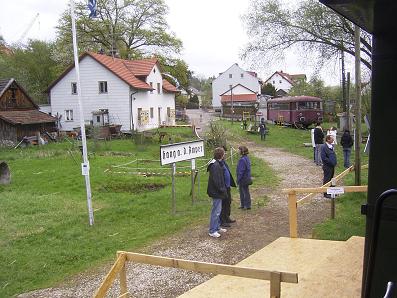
181 151
335 190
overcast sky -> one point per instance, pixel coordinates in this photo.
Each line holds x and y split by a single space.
211 31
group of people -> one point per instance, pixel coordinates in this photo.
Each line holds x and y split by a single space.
219 186
324 154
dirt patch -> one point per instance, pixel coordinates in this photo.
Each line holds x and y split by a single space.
253 230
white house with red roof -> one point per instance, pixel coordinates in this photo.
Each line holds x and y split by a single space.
132 93
284 81
233 76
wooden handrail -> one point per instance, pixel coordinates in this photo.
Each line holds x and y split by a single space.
353 188
275 277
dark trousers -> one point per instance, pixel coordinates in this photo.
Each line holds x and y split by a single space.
245 197
328 173
263 135
226 203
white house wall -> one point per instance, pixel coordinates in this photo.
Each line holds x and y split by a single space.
240 90
279 82
118 100
222 83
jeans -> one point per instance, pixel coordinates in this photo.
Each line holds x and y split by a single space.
346 157
215 213
317 154
245 197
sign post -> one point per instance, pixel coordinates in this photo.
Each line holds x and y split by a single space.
173 169
333 191
173 153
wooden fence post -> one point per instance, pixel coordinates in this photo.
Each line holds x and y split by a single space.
275 284
123 279
293 216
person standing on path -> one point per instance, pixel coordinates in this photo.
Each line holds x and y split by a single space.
262 129
244 179
226 203
347 143
328 157
318 141
216 189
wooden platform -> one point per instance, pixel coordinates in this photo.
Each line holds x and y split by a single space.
325 269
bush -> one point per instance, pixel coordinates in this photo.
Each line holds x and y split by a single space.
216 136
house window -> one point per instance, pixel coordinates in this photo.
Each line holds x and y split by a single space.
69 115
158 88
139 115
242 75
274 82
151 86
103 87
279 81
74 88
168 112
230 75
151 113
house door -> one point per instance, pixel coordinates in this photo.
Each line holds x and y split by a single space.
159 111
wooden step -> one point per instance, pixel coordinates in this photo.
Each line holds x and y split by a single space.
325 269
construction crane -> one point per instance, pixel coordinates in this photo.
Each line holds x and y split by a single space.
19 41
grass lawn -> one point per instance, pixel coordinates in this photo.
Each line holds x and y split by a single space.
44 231
348 220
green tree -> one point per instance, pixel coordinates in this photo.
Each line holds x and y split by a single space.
177 69
33 67
268 89
274 27
135 29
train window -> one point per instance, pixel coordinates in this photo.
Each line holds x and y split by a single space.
279 106
309 105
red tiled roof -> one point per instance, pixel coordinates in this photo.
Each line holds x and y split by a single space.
119 68
126 70
168 87
26 117
239 98
141 67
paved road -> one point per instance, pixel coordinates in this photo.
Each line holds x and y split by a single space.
200 118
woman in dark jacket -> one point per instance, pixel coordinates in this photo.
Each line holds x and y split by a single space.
347 143
244 178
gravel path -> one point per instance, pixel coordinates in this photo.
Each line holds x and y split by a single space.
253 230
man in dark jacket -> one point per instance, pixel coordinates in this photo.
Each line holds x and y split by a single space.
328 157
229 182
318 141
216 189
347 143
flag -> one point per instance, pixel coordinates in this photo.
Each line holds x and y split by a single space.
92 8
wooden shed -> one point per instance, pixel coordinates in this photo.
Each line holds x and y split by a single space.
19 115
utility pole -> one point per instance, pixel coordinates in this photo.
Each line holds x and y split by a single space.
349 125
343 81
231 98
357 163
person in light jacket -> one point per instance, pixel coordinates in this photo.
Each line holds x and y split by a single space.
244 179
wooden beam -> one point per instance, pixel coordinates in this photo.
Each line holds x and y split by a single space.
361 188
111 276
123 279
293 215
209 267
275 285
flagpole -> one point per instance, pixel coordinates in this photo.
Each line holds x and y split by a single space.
85 166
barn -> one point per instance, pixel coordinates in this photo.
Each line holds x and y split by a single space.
19 115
